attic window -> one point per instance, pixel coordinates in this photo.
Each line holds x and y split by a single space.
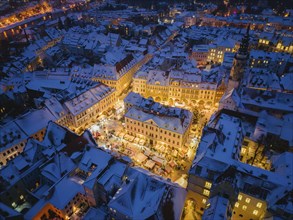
198 170
175 129
245 143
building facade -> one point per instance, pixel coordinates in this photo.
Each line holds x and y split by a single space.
89 105
159 124
177 87
120 75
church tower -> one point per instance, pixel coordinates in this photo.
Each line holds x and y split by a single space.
241 58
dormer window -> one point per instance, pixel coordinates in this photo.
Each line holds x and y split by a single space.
175 83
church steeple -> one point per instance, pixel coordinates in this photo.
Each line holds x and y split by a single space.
241 58
243 50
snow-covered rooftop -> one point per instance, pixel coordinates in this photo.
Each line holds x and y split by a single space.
88 99
146 110
143 196
11 134
35 120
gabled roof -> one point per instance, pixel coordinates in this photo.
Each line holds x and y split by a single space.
139 198
232 94
60 165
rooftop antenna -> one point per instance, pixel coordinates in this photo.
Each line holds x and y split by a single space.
248 29
57 153
59 163
110 40
27 40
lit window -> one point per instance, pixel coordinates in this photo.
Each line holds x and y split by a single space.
208 185
255 212
204 201
259 205
237 204
206 192
239 197
244 207
247 200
